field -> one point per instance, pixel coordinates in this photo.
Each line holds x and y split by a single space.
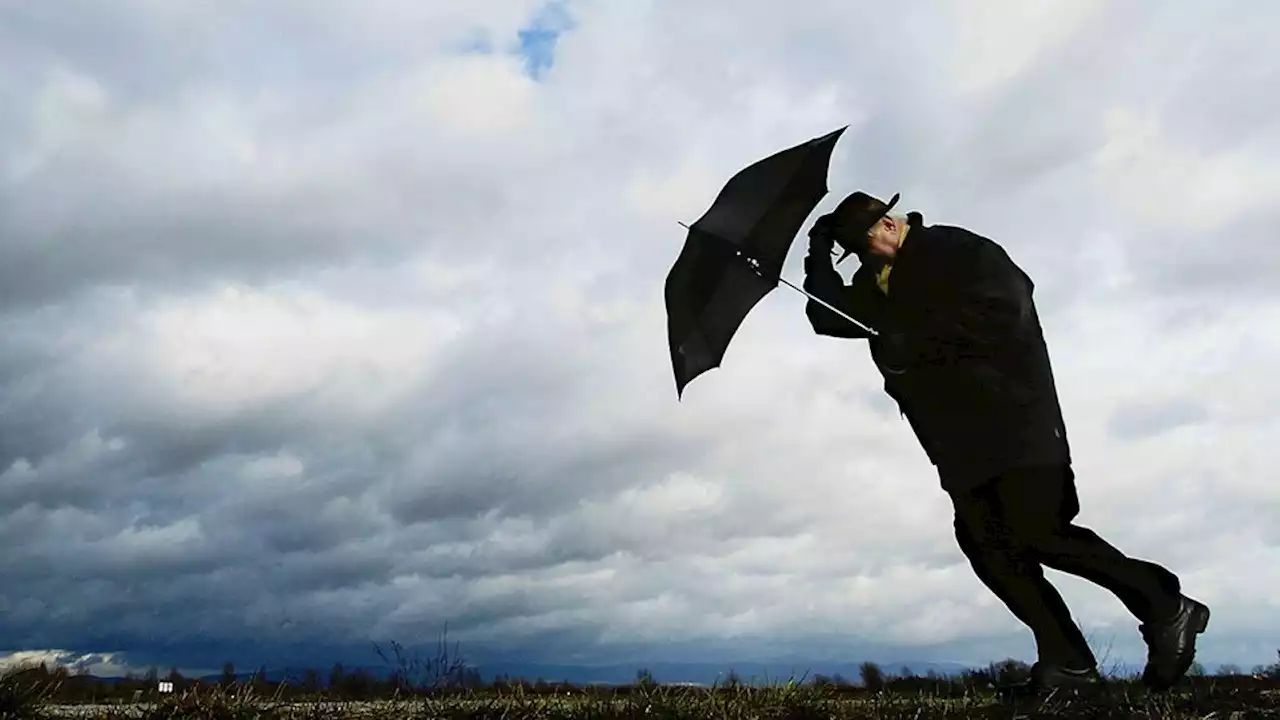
1205 697
445 687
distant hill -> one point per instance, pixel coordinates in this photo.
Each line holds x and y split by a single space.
703 673
699 673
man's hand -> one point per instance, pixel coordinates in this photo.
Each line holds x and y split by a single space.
822 239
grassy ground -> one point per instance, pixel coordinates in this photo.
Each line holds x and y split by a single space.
1203 698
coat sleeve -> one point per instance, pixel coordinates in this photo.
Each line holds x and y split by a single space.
822 281
988 302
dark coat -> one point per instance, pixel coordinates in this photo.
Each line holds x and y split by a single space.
977 388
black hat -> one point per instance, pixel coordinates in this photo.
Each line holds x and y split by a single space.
853 217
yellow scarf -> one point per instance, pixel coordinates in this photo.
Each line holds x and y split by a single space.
882 277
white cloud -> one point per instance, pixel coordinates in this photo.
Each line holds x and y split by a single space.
1170 186
102 665
217 355
67 110
995 41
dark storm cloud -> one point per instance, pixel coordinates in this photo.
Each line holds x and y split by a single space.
360 514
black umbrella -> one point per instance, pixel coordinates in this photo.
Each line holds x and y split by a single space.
733 254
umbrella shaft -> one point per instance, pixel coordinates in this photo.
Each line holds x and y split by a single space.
827 305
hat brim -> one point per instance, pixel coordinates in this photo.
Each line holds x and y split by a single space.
850 251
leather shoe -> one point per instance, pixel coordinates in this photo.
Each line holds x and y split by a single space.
1171 644
1046 678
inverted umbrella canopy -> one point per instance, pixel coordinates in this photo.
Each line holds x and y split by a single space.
733 254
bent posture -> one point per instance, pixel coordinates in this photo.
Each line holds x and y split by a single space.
962 353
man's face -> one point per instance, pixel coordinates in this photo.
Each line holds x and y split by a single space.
882 238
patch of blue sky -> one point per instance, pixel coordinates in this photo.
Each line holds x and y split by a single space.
537 41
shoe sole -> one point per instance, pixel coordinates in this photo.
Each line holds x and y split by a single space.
1199 622
1022 694
1072 684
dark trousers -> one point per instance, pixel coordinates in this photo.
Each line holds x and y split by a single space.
1012 526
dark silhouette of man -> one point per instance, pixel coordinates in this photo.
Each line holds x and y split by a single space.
962 353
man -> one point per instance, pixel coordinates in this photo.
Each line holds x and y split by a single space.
962 353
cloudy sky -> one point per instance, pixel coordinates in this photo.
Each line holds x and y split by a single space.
327 323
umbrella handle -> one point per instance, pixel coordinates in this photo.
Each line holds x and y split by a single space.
756 267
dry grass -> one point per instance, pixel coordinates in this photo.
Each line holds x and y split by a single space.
432 689
1205 698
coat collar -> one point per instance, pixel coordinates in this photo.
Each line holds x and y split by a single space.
915 221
